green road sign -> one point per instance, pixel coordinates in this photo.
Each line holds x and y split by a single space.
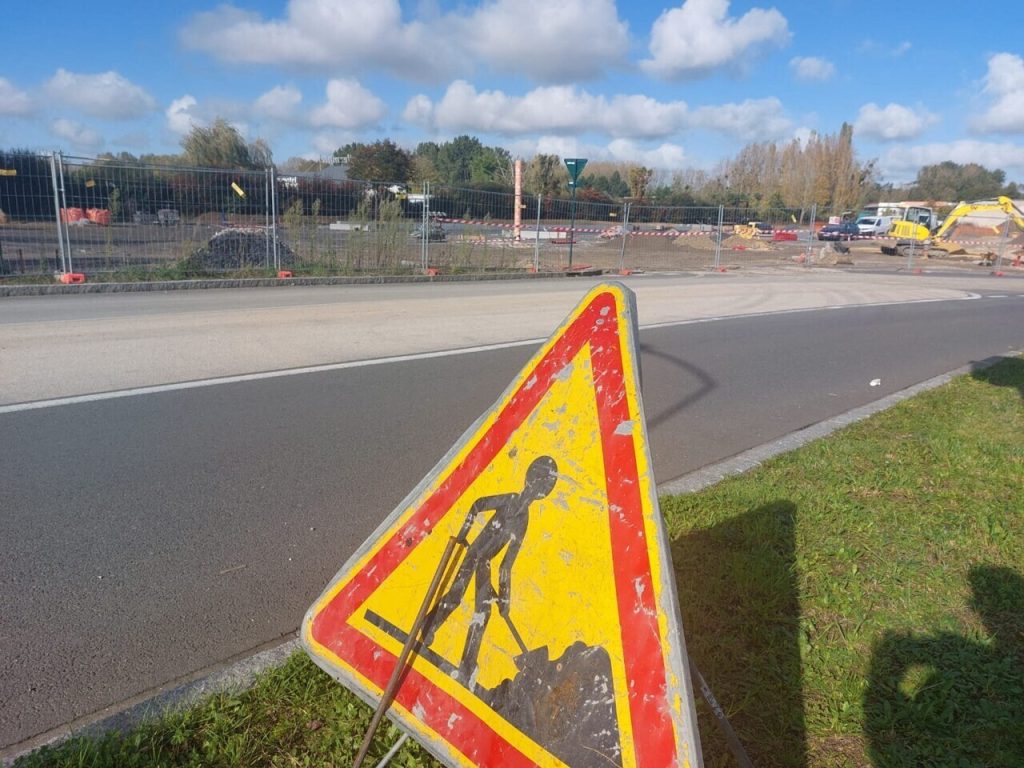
575 166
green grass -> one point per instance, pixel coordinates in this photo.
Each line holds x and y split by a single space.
857 602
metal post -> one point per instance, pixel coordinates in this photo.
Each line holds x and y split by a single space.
273 215
57 208
425 228
910 253
625 230
572 225
1003 244
536 238
718 237
810 234
266 214
398 673
64 204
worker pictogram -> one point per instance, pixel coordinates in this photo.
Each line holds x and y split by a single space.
518 607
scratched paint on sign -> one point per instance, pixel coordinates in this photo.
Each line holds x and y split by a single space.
555 638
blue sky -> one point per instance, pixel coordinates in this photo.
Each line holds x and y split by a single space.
670 85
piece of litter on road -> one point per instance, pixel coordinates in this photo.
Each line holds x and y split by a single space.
233 568
876 382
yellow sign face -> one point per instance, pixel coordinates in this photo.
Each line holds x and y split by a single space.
554 639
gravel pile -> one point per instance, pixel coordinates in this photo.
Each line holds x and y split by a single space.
238 248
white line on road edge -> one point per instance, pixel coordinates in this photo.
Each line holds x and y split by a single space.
242 673
237 379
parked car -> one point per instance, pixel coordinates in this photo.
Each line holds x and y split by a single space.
168 216
435 233
846 230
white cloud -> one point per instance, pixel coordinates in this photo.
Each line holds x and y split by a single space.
700 36
751 120
182 115
902 163
663 157
812 68
322 35
13 102
892 122
280 103
348 106
570 110
565 41
559 109
107 95
1004 82
79 136
572 40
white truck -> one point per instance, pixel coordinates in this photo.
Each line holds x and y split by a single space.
874 225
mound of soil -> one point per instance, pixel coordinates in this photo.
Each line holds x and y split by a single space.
238 248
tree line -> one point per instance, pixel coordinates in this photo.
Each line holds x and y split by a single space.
822 170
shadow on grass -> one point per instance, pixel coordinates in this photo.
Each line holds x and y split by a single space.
738 594
1008 372
947 700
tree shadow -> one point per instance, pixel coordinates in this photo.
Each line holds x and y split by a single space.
738 595
1008 372
705 383
944 699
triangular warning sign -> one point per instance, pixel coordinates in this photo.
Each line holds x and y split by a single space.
554 636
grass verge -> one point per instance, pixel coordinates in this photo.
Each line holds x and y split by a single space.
857 602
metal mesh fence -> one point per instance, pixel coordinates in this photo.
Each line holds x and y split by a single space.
126 219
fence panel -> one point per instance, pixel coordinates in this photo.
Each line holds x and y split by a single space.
164 221
28 215
120 219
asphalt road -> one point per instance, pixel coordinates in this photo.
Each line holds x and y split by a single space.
146 538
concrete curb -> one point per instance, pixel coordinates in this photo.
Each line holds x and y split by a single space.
242 673
126 715
263 282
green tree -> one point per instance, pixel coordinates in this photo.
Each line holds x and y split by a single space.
381 161
220 145
454 159
544 175
639 180
952 182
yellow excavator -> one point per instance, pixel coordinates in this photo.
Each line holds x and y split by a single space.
914 227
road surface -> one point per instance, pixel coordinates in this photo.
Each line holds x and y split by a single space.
149 536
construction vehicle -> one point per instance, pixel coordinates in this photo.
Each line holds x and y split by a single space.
916 228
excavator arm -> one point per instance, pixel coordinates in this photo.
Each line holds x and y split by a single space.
1004 204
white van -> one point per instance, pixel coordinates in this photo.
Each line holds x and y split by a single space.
874 225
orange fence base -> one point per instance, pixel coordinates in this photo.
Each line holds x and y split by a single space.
284 273
69 278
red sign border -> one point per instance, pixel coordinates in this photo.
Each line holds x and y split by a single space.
597 323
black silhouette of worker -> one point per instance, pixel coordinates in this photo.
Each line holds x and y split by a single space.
504 531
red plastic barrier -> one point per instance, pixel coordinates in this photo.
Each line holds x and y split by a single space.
99 216
778 236
283 274
71 215
69 278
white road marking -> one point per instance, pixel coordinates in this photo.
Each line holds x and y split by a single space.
237 379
